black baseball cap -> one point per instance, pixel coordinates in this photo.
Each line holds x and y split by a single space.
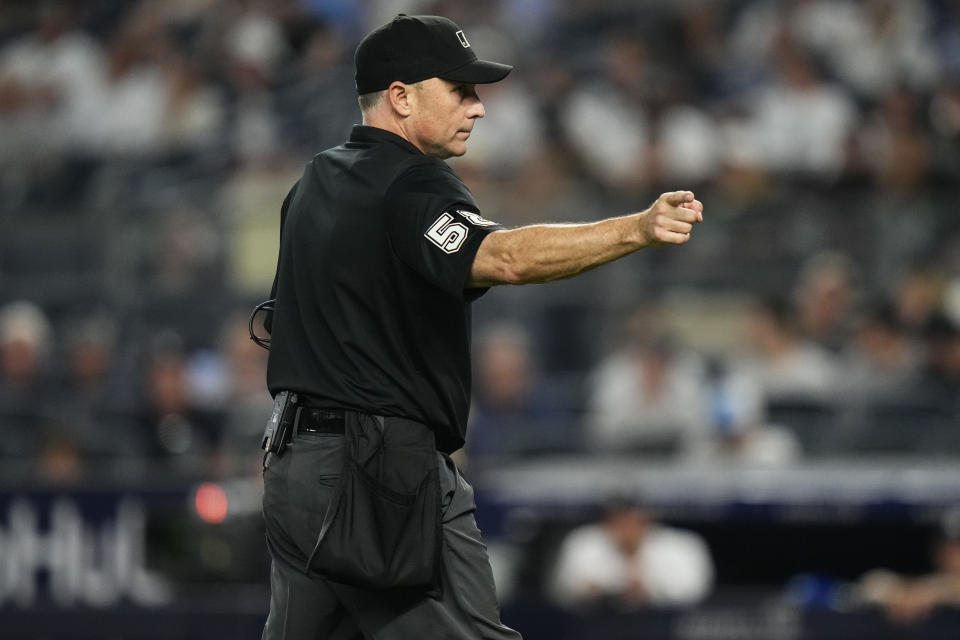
414 48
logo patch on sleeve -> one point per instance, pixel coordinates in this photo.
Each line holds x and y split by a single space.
447 234
475 218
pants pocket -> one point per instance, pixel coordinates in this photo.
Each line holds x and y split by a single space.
310 470
384 528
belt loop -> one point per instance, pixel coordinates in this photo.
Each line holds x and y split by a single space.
295 431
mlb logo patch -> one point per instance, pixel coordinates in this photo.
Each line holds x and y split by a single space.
463 39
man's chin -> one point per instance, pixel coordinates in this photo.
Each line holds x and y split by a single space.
450 152
453 149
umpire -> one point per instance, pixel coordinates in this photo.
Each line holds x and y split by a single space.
383 249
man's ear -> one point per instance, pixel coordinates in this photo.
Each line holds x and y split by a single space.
398 94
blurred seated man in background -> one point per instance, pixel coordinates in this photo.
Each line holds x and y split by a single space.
628 560
648 396
882 358
739 430
244 402
908 599
95 391
824 300
175 431
515 410
26 341
786 364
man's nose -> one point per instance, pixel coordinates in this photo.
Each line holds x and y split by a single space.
476 109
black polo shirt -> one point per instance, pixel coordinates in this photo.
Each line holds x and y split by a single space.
372 311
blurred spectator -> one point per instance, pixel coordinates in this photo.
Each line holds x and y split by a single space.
26 338
256 38
874 46
60 461
542 183
184 252
882 358
785 364
182 270
688 146
48 80
173 429
90 347
647 396
256 47
705 39
510 133
800 123
755 29
917 298
193 114
514 411
919 415
25 345
895 143
739 432
247 403
93 397
824 300
945 109
907 599
604 121
126 115
629 560
317 95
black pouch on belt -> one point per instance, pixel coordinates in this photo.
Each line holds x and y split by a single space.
383 527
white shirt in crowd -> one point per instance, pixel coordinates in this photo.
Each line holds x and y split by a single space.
626 409
674 567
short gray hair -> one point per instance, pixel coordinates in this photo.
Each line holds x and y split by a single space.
368 101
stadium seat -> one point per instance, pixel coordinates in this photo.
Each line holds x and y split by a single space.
902 426
816 423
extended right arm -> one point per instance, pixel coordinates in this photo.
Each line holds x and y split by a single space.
541 253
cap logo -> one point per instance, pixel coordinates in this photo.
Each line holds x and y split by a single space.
463 39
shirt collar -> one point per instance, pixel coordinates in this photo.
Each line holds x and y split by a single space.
363 133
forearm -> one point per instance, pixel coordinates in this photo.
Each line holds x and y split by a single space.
541 253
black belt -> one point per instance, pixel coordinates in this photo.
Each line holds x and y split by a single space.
312 420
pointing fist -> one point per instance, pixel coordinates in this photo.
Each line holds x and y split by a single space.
670 219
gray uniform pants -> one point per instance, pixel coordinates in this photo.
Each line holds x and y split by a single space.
297 489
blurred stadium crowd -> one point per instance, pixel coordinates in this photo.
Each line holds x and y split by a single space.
147 146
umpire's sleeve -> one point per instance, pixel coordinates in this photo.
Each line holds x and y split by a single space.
434 225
